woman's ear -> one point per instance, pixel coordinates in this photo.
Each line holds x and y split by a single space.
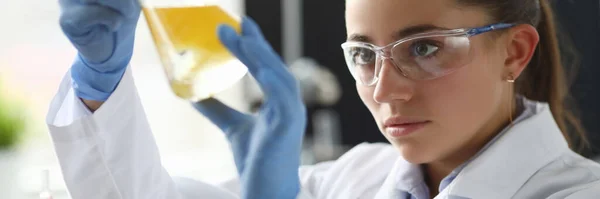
522 42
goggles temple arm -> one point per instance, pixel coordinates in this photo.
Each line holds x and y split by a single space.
480 30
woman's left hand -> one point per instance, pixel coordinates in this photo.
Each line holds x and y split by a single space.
266 147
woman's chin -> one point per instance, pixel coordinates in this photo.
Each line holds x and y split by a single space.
414 154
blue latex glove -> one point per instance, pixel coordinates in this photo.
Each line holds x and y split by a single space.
266 147
103 33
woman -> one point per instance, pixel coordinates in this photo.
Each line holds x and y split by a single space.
468 92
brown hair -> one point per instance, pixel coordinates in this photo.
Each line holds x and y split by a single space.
544 78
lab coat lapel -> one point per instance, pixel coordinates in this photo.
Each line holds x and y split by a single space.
400 181
501 170
388 189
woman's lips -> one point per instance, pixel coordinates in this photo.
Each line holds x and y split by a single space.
397 127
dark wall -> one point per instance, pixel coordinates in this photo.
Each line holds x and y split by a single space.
580 22
267 14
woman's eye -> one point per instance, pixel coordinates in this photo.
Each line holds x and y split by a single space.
422 49
363 56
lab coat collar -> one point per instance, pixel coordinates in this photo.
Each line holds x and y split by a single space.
502 169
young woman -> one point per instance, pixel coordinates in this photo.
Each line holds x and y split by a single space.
470 94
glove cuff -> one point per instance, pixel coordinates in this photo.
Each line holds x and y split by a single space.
91 84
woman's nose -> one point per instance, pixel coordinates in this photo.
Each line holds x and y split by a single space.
392 85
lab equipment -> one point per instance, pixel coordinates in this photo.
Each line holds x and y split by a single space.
266 147
320 88
196 64
318 85
423 56
327 136
103 34
45 192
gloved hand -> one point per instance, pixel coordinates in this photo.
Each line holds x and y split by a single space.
103 33
266 147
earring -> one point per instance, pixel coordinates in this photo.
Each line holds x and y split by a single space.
510 79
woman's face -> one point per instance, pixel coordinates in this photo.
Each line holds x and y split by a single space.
431 120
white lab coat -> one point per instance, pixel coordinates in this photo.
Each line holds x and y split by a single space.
111 154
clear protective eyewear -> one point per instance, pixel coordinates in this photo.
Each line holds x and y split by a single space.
423 56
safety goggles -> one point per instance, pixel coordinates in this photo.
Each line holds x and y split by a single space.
423 56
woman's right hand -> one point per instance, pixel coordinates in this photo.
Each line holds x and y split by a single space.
103 33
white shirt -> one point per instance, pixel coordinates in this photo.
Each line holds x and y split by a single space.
112 154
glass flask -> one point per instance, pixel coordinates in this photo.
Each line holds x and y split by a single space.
196 63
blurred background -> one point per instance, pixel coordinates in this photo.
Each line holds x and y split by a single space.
34 56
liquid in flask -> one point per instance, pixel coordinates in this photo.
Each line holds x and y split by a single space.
196 63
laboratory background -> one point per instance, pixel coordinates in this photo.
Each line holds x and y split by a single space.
35 55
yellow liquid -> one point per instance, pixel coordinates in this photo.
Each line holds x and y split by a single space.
196 63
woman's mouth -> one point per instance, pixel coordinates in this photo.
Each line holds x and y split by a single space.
397 127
